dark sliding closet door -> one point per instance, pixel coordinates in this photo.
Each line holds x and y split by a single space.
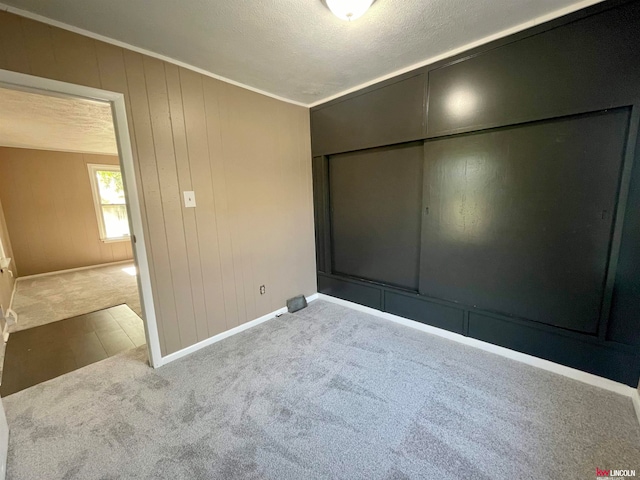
375 198
519 219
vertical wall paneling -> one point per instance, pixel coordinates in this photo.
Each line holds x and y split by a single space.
41 199
76 58
81 221
190 229
228 304
54 228
57 238
199 160
113 77
278 263
3 58
266 195
22 237
275 191
238 124
39 48
171 202
154 212
13 46
298 221
246 157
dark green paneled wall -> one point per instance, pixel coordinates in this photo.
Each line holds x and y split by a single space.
529 209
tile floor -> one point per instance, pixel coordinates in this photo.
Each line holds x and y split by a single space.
42 353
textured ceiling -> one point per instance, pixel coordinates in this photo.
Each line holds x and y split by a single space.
296 49
29 120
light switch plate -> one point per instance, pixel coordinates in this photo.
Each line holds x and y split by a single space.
189 199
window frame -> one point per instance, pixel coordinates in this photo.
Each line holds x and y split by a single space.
97 203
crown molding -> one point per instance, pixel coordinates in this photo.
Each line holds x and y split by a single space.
118 43
450 53
468 46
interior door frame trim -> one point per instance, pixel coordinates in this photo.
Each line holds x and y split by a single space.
30 83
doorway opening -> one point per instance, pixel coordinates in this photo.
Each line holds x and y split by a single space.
75 285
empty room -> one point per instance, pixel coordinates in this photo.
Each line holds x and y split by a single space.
68 246
324 239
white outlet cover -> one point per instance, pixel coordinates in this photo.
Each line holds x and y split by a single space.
189 199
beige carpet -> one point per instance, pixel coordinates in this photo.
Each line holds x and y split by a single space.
43 300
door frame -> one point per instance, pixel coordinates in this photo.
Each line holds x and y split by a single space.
30 83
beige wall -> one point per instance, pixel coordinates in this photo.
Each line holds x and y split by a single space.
48 206
247 156
6 280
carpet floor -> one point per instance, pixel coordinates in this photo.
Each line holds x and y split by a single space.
43 300
326 392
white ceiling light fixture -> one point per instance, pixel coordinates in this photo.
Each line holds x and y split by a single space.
349 9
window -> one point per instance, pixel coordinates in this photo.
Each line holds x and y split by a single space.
110 203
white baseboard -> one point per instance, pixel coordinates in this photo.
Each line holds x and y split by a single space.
5 330
579 375
13 292
221 336
71 270
635 397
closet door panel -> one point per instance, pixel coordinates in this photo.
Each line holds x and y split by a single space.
519 219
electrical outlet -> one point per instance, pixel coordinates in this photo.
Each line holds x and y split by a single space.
263 290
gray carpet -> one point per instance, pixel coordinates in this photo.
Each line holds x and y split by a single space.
324 393
43 300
